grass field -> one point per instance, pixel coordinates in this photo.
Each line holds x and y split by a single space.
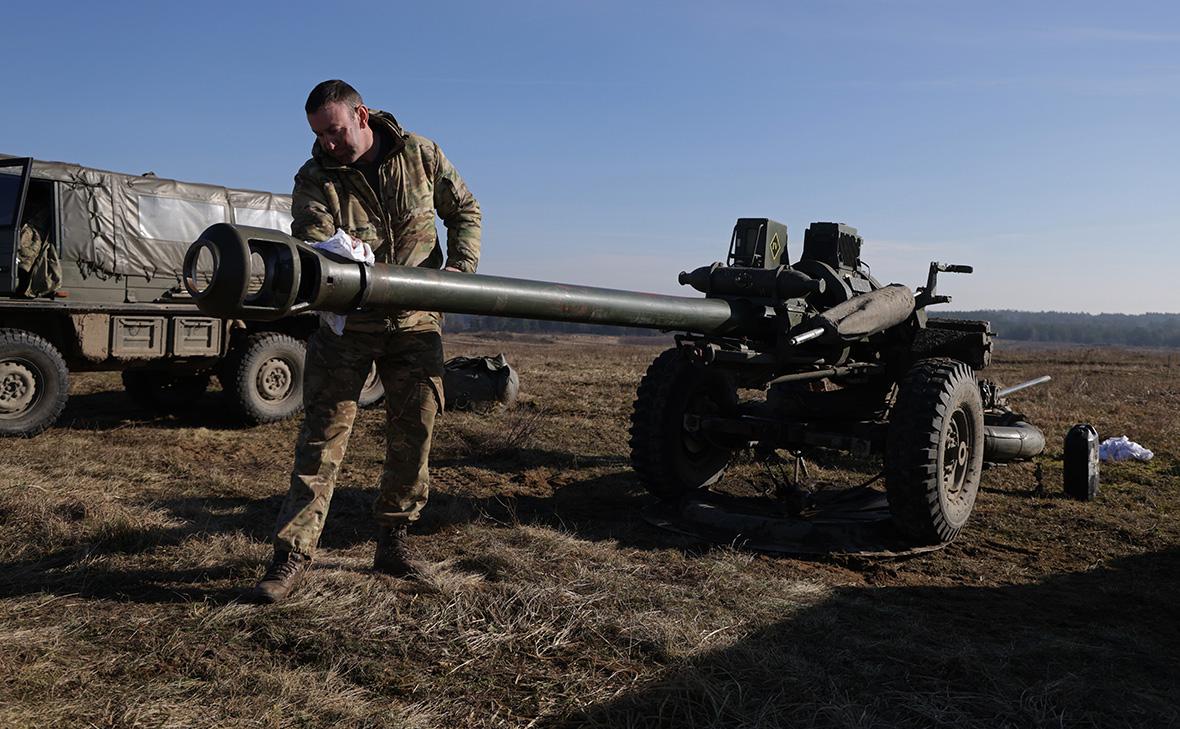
549 602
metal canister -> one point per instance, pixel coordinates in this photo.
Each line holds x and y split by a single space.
1080 462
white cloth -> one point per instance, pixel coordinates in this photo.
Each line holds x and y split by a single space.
343 244
1122 449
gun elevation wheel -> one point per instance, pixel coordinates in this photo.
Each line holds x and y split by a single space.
671 460
934 450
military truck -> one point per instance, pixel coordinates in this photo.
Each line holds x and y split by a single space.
110 296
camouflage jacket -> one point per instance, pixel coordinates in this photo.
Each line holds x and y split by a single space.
38 265
398 220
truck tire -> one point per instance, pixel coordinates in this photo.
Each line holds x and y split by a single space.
374 390
34 383
264 377
934 450
671 461
163 391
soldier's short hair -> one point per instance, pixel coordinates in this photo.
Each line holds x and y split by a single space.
330 92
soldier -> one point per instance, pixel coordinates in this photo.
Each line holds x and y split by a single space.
381 185
38 265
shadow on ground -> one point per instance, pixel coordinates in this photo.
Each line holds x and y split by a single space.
588 503
71 570
113 410
77 569
1095 648
597 507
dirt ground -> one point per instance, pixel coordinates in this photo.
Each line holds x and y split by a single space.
548 601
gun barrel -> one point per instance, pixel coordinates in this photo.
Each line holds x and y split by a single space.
237 271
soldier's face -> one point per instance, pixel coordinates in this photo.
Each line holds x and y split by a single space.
342 131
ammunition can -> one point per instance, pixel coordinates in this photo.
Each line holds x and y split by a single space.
1080 462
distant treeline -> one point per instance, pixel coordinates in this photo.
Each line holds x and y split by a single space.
1135 330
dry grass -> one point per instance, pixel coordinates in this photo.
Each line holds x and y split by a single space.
547 601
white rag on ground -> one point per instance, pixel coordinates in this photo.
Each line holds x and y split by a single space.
343 244
1122 449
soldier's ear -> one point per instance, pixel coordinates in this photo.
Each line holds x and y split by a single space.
362 114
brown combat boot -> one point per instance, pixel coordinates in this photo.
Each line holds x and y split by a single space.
281 577
392 556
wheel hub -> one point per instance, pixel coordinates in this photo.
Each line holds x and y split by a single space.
956 455
18 387
274 379
696 444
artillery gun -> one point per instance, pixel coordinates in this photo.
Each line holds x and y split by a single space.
842 361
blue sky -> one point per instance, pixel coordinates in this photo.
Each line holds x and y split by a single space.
615 143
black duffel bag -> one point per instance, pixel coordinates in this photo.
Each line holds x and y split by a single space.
478 383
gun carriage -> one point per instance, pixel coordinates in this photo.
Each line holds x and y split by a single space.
841 361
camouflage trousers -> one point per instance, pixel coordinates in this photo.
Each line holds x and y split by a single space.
410 365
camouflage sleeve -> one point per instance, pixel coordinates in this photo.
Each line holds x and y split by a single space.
460 213
28 245
313 218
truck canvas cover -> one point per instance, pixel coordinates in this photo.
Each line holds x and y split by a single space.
115 224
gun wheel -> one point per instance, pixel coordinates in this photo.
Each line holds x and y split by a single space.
934 450
673 461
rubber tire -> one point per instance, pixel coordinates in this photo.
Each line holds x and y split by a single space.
163 391
374 390
51 377
936 398
662 452
245 368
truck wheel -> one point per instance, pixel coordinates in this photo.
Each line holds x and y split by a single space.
264 380
34 383
934 450
374 391
671 460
